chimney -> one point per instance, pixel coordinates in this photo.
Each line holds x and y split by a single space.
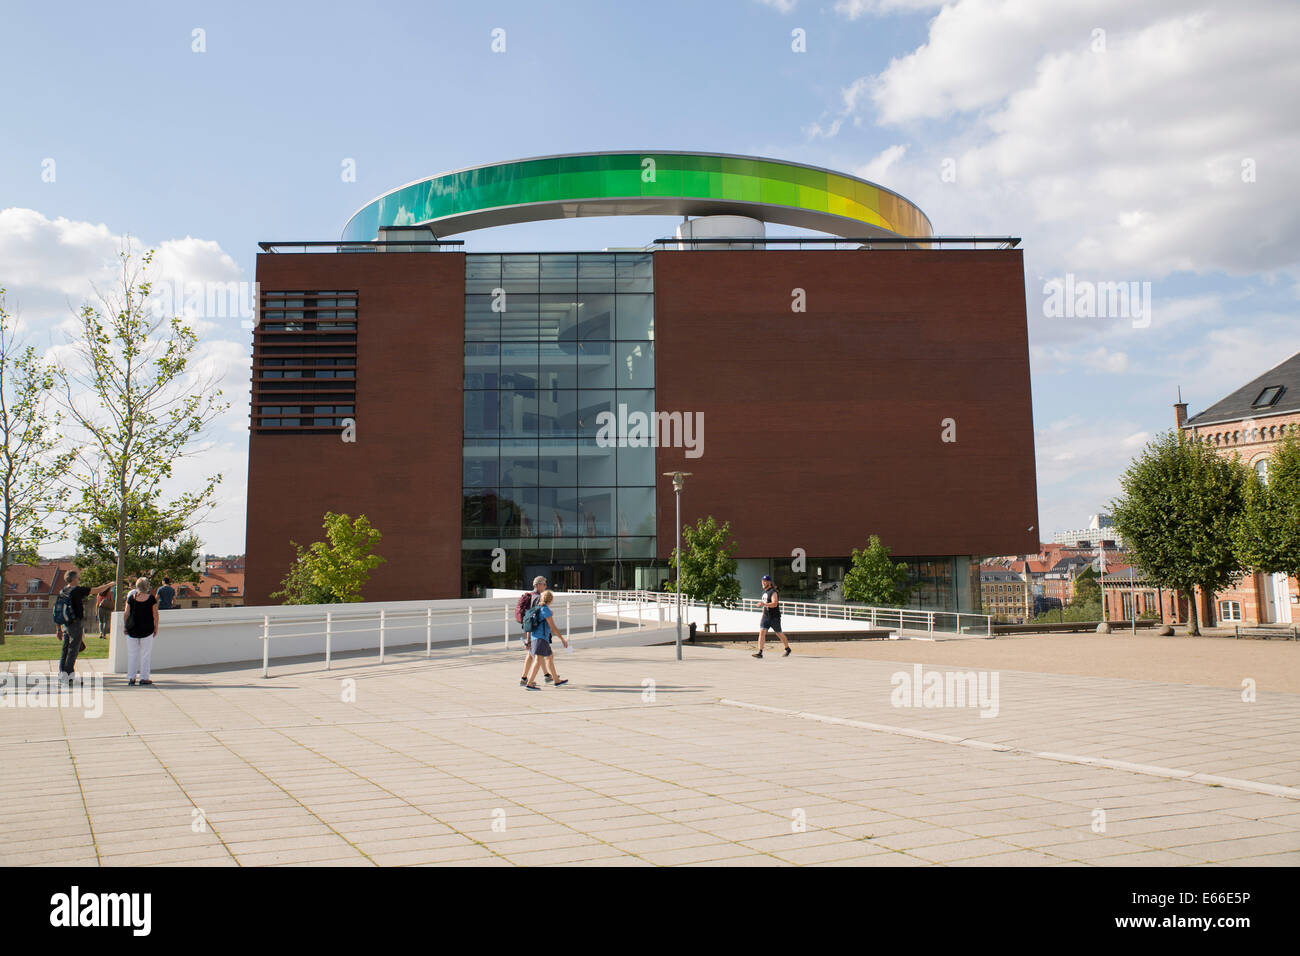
1180 410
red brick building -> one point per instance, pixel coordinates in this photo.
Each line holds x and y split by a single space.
1246 425
818 394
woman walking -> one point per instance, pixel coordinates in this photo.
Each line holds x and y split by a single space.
141 629
542 656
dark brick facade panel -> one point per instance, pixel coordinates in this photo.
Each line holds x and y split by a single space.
404 470
823 427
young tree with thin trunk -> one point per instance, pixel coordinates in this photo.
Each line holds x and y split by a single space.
708 565
31 468
140 404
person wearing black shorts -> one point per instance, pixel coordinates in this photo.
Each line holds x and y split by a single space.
771 619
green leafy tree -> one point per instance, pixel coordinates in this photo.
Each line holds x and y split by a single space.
1087 588
31 468
337 572
157 545
140 403
1268 534
1178 513
708 564
875 578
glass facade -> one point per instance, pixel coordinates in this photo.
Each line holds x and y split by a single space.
552 341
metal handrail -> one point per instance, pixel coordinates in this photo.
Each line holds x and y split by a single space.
911 618
385 618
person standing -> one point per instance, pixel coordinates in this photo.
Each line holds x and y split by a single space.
104 610
141 629
771 619
542 656
166 594
72 596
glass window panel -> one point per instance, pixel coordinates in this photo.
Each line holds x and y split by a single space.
481 417
636 547
638 400
636 466
636 511
595 317
486 287
595 510
518 413
480 514
481 323
482 365
634 273
518 316
596 273
519 365
558 367
558 317
591 403
558 462
518 267
634 365
518 465
634 318
479 266
596 464
596 364
557 412
480 460
553 510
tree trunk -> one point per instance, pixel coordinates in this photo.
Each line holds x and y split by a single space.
1193 630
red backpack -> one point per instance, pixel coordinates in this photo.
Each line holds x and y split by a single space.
523 604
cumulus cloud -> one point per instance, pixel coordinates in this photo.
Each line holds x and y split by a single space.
50 266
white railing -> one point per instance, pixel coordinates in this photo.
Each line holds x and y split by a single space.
490 621
912 619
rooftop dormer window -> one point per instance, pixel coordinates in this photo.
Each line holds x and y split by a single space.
1268 397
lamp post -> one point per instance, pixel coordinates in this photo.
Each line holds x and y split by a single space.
679 480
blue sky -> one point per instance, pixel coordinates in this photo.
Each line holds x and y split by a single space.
1160 150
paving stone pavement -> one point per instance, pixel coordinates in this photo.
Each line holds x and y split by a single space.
642 760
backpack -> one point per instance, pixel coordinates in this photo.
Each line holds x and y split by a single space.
63 608
521 606
532 619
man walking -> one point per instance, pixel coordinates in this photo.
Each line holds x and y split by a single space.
74 618
771 619
533 599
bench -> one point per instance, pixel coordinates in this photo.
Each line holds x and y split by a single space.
1267 631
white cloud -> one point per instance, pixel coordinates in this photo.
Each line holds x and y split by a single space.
48 267
781 6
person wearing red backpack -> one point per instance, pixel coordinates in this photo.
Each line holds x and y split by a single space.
527 600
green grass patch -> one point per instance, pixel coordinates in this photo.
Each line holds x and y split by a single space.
47 647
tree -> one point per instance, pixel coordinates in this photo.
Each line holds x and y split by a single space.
333 573
1178 512
31 470
1268 534
708 564
875 578
157 546
1087 588
139 403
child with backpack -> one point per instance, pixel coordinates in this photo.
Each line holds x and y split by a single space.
539 618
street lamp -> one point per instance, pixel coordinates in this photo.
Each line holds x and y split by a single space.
679 480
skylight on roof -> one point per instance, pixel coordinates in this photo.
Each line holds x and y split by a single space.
1268 397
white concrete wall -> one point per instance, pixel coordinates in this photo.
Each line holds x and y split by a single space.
195 636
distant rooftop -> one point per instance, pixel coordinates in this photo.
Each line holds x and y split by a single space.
1276 392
